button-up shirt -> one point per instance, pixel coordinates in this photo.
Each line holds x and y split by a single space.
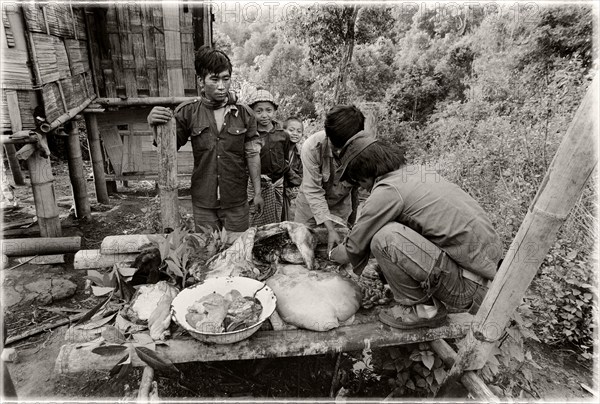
322 194
220 173
274 154
419 198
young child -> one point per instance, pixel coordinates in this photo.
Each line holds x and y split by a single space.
295 129
274 159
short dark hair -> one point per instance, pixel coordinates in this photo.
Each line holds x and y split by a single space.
209 61
342 122
292 118
375 160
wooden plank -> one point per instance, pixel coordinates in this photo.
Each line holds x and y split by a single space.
135 153
161 65
43 259
149 49
14 113
573 164
74 358
113 145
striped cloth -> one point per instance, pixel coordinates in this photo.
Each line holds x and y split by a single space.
272 194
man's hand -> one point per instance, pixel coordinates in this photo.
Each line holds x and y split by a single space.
259 203
338 254
159 116
333 239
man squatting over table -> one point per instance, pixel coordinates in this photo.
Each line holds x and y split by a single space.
433 242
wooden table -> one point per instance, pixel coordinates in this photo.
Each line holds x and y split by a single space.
364 332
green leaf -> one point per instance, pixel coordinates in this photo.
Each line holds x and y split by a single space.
109 350
124 360
93 310
428 360
157 362
440 375
421 382
410 384
174 268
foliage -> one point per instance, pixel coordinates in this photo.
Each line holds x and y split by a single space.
486 97
180 249
413 370
566 313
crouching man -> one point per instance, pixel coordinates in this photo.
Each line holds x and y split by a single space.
432 241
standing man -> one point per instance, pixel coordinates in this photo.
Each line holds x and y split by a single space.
433 242
323 198
224 143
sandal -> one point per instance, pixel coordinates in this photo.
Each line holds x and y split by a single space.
406 317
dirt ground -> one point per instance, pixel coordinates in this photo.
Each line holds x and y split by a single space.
561 374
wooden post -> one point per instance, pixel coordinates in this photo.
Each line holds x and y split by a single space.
13 163
76 173
42 184
574 162
14 113
167 175
93 136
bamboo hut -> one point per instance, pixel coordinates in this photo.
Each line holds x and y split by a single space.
59 57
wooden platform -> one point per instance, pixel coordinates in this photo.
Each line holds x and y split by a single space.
79 357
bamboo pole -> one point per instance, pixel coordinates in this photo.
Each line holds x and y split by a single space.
67 116
93 136
42 183
14 114
76 173
118 102
574 162
167 175
22 247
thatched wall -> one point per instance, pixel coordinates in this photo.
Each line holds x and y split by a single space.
141 50
57 36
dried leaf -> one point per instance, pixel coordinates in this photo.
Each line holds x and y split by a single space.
157 362
113 335
97 323
101 290
123 361
109 350
94 279
127 271
93 311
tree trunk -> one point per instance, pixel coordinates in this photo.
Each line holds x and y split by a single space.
339 96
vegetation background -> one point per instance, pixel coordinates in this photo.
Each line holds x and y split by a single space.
485 92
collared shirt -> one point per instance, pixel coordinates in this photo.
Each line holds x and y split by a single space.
322 194
419 198
275 151
220 173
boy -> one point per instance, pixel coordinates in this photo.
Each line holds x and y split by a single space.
274 158
224 143
323 198
433 242
295 129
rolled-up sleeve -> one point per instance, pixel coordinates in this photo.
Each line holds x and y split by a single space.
383 206
312 181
